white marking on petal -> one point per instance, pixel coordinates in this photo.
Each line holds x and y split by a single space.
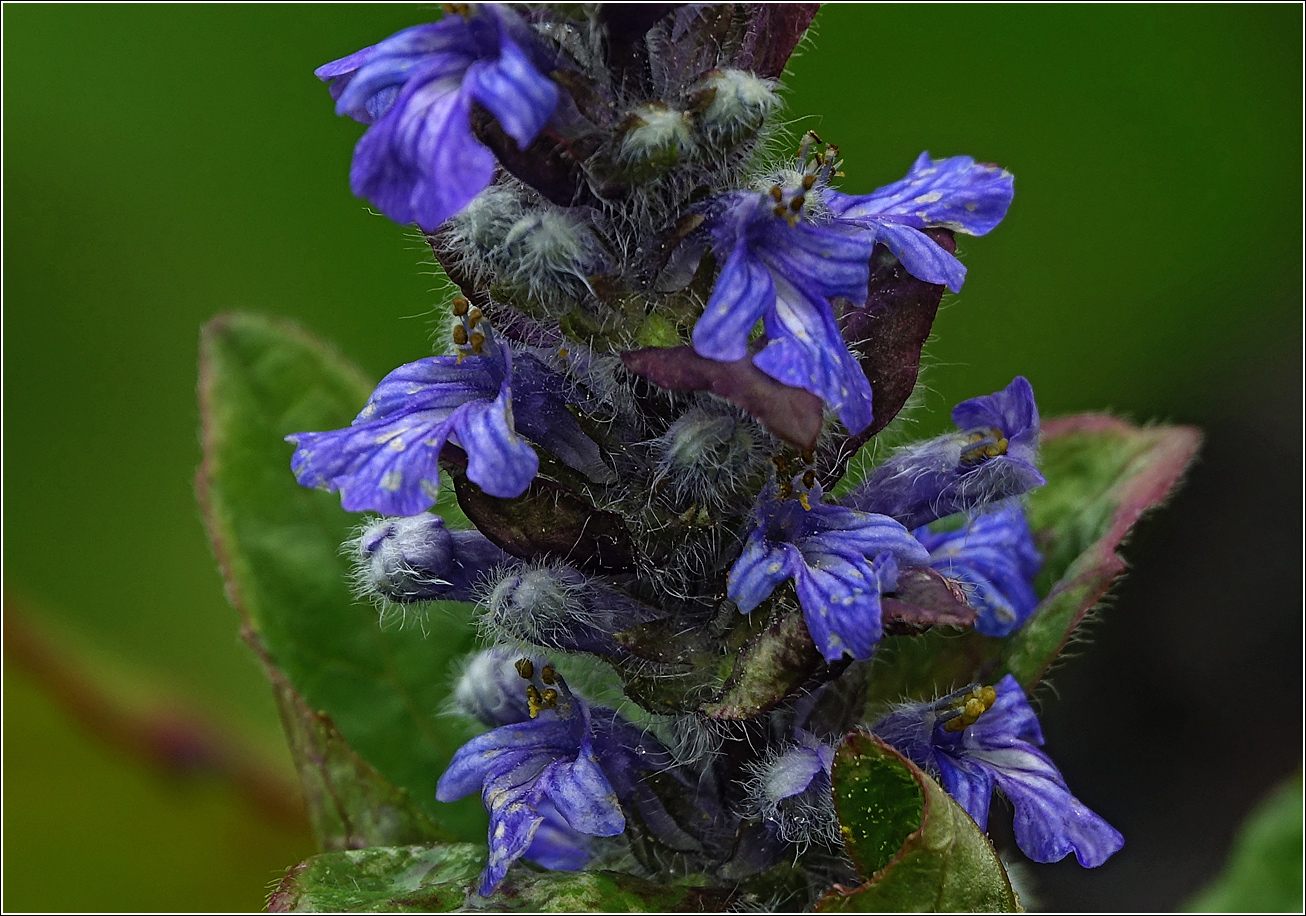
392 480
929 198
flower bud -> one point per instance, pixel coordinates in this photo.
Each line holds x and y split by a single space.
732 106
707 454
652 139
556 607
416 558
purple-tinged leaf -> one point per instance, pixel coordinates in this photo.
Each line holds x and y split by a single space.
551 164
1103 474
888 333
791 414
924 598
775 31
916 848
624 47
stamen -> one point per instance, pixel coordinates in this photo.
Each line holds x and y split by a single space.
478 342
460 305
808 182
797 203
474 318
780 210
460 335
979 701
526 668
777 193
549 675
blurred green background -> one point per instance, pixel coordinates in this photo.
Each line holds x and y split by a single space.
164 164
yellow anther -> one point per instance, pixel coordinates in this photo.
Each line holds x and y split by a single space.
460 335
808 181
549 698
979 701
534 702
474 318
526 668
478 342
797 203
777 193
562 352
548 675
802 498
780 210
460 305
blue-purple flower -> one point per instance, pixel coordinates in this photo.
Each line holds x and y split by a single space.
782 269
418 161
387 460
989 460
955 193
567 768
982 737
995 559
839 559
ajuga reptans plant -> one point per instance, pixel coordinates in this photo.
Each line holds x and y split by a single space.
671 342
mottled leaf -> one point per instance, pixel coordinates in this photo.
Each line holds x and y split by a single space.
918 850
392 879
440 879
1103 474
279 548
887 333
350 804
792 414
770 667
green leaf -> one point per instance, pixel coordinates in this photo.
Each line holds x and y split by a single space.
393 879
349 803
918 850
439 879
279 548
1264 871
1102 474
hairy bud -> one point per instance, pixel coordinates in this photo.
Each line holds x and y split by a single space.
416 558
791 790
732 106
557 607
708 453
653 138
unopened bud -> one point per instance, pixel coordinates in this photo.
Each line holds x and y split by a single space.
733 105
416 558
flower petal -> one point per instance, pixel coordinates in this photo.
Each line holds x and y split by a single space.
583 796
388 466
760 568
955 193
499 461
922 257
743 292
518 95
